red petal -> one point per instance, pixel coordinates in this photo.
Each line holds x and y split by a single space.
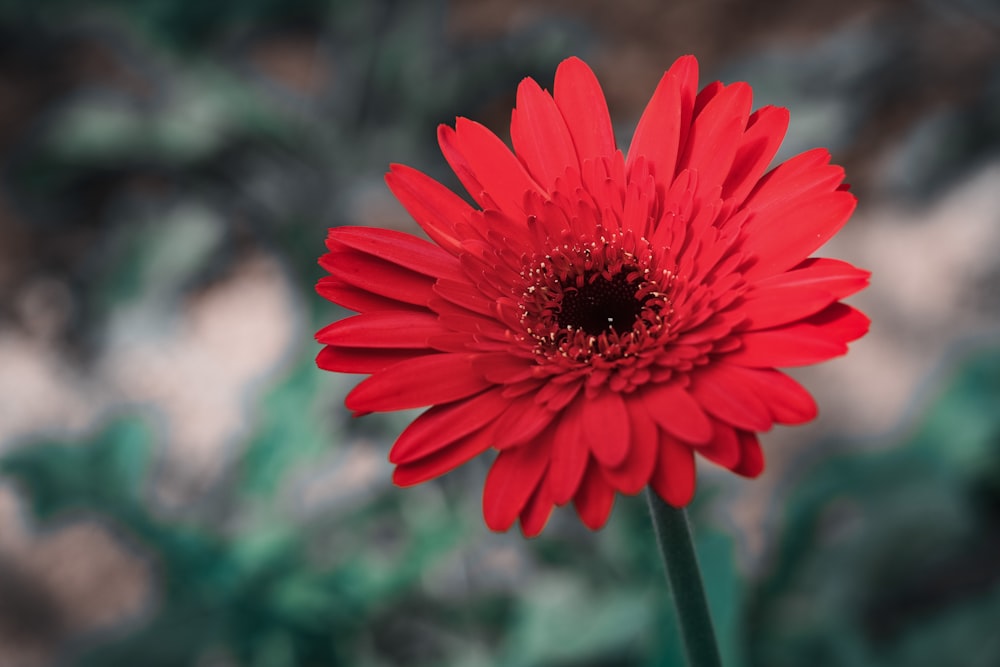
766 128
442 425
362 360
448 141
504 368
723 391
831 275
357 299
540 136
557 395
514 476
501 175
467 296
773 306
581 101
606 428
403 249
634 472
840 322
443 460
662 128
715 135
724 448
521 422
798 344
569 453
674 476
677 413
433 206
594 499
808 341
536 512
383 328
751 456
806 174
378 276
781 237
415 383
786 400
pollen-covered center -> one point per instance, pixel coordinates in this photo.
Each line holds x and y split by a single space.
601 304
593 300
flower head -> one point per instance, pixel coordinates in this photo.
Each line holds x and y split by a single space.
600 320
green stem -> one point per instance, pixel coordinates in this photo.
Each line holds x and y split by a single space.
674 537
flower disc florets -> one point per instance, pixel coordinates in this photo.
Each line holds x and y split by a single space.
595 302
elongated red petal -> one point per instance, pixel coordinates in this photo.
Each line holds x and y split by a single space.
441 461
662 129
786 400
783 237
766 128
536 512
433 206
751 457
677 413
569 459
817 338
768 308
715 134
606 428
405 250
363 360
383 328
674 476
540 136
794 345
512 479
360 300
442 425
724 447
452 152
494 166
633 474
524 419
798 178
840 321
415 383
581 101
465 295
379 277
723 392
832 275
594 499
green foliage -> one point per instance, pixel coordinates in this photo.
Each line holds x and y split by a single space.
106 475
890 557
255 595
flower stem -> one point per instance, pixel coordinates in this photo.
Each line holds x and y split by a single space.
674 537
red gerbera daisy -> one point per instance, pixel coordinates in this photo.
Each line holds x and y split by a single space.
598 319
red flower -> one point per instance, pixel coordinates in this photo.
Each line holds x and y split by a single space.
599 319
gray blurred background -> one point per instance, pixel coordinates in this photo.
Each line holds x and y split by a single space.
180 486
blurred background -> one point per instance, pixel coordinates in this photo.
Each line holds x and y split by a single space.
180 486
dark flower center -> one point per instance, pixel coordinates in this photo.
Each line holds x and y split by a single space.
601 304
594 302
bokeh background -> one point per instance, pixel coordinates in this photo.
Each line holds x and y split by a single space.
180 486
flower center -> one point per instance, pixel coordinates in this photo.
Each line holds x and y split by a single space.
601 304
594 302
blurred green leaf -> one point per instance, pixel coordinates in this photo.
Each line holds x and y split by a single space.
891 557
106 474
